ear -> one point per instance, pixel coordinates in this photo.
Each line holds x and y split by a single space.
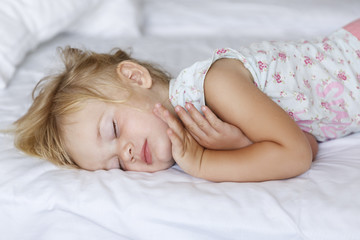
134 73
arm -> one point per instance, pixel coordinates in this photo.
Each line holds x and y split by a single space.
313 144
212 133
279 150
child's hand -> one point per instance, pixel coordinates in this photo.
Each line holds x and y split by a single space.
210 131
185 150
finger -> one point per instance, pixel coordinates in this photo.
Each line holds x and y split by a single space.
199 119
160 111
177 144
170 119
189 122
212 119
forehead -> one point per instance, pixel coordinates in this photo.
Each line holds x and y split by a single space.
80 130
88 115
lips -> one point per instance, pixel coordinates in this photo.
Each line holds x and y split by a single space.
146 154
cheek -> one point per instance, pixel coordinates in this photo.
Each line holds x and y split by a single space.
163 143
157 124
162 139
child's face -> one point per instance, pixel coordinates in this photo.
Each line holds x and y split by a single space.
108 136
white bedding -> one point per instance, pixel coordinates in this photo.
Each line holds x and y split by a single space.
41 201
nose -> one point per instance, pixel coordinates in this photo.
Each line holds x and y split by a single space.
127 153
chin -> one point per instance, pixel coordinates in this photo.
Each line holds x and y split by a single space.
153 168
163 167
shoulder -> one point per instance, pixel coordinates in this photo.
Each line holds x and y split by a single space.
228 67
227 82
233 97
225 79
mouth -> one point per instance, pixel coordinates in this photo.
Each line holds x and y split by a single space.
146 154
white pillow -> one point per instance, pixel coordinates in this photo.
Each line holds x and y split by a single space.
24 24
111 19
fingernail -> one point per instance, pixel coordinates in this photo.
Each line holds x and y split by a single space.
157 105
177 108
187 105
203 108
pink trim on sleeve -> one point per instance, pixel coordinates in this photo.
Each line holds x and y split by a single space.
354 28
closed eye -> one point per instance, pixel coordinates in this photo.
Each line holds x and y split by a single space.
115 127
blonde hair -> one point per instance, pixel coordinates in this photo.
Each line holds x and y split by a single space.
86 75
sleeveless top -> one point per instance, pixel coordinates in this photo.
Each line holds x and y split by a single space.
316 82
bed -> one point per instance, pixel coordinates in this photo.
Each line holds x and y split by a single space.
41 201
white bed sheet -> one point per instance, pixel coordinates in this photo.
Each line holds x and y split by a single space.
41 201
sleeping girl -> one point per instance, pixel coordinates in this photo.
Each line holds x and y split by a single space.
253 114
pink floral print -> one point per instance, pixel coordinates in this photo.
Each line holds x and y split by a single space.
320 56
327 47
326 105
308 61
300 97
341 75
282 56
358 53
221 51
315 82
291 114
277 77
262 66
307 84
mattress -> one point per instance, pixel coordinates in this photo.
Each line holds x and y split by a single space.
41 201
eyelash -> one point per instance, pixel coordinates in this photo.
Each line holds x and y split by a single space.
115 129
